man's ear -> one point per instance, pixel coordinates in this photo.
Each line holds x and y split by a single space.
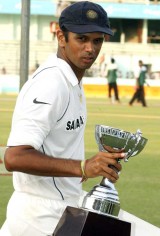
61 38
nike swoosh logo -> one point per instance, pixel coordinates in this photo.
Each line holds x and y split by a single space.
39 102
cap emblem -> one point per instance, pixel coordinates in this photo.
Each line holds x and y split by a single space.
91 14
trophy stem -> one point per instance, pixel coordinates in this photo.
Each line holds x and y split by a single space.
106 183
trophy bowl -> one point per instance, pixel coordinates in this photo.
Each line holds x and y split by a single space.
103 198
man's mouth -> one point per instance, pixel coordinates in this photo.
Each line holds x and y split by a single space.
88 59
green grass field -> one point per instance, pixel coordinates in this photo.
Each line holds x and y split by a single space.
139 183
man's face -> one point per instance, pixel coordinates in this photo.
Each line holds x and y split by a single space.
81 50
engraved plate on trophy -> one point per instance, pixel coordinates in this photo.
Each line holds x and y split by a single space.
103 198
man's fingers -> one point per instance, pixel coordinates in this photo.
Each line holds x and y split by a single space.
118 155
104 164
110 174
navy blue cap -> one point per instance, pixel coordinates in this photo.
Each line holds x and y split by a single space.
85 17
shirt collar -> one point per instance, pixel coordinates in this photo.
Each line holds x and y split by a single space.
67 71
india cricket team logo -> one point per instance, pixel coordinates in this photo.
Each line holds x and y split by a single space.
91 14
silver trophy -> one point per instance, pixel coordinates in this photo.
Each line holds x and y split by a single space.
103 198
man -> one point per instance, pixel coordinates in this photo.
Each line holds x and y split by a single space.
46 144
112 80
139 94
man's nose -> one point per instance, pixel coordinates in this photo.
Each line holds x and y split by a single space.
89 47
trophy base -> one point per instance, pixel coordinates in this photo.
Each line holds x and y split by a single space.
102 200
79 222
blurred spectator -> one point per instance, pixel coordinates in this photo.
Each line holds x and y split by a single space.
36 65
3 70
139 93
112 80
101 63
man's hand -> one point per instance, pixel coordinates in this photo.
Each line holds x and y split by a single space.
100 165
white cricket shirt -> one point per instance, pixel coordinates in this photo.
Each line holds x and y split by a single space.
50 115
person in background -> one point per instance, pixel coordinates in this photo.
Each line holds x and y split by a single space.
112 80
139 93
101 64
3 71
45 149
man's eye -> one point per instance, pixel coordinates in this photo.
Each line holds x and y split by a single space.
82 38
99 40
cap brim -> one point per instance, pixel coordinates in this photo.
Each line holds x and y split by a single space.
82 29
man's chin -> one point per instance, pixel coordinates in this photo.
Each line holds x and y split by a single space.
86 67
